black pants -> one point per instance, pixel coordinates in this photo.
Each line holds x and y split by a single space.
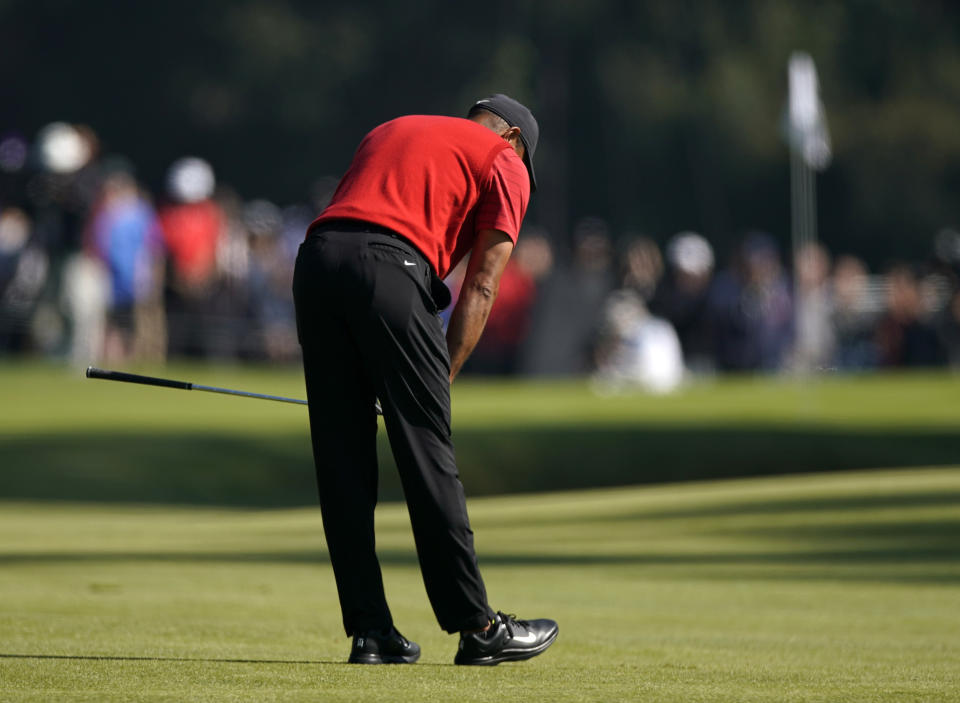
369 328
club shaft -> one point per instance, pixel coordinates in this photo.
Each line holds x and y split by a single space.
123 376
93 372
246 394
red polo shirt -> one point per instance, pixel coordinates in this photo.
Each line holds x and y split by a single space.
436 181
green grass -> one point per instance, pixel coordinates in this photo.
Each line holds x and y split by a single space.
840 587
152 547
63 437
58 398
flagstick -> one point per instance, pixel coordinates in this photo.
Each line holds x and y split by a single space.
809 149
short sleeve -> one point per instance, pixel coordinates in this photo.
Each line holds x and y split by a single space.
505 195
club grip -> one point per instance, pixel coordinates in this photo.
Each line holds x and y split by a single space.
93 372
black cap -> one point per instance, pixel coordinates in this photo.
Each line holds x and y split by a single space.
516 115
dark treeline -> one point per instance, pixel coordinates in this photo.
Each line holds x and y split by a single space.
657 116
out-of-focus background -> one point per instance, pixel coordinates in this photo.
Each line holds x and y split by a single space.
742 262
160 162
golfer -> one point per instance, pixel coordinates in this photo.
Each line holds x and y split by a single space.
421 193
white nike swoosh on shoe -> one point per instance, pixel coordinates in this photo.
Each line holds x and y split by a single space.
409 263
529 638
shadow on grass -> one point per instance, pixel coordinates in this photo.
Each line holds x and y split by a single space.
277 470
733 508
879 551
203 660
825 539
97 657
908 554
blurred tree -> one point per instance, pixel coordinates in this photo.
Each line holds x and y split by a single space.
658 116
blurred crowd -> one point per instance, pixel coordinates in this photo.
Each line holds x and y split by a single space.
631 313
95 268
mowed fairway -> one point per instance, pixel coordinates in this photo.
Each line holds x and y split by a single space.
827 588
840 586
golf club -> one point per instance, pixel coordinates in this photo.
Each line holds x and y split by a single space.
107 375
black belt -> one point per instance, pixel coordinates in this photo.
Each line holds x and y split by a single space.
367 228
439 290
353 226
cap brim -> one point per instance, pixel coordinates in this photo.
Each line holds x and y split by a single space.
529 164
533 177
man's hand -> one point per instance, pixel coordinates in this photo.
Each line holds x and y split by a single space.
488 259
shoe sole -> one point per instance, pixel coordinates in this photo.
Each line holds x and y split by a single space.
377 659
508 655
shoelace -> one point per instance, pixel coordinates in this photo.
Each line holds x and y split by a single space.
511 621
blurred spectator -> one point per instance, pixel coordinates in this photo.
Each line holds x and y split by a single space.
85 298
125 234
23 274
751 310
566 316
66 188
641 266
904 337
949 329
534 253
946 249
681 298
498 350
57 180
14 154
271 281
635 348
853 317
192 225
14 233
227 322
815 345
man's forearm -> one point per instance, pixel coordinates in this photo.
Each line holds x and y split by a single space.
467 322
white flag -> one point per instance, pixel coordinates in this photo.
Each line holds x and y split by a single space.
807 126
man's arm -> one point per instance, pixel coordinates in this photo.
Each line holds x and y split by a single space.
488 258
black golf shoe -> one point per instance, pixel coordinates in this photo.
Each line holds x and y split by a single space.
383 647
508 639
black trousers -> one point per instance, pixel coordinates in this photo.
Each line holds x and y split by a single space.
369 328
